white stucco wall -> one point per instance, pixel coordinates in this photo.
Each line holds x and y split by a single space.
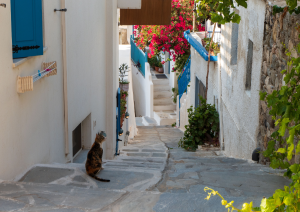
125 57
32 124
143 91
240 107
199 70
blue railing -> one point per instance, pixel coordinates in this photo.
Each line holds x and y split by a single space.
198 47
138 56
184 78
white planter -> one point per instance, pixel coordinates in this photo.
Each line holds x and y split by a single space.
201 34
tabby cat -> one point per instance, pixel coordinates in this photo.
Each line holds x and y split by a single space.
94 158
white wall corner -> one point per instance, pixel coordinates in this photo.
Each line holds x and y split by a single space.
130 4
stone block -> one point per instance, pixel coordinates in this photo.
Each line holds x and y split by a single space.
265 67
264 106
276 83
262 129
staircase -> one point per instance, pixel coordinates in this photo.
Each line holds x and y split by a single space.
164 108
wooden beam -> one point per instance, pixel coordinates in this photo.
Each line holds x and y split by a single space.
153 12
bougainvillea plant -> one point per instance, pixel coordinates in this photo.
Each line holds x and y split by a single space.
169 38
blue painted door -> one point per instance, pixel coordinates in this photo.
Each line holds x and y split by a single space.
118 118
27 28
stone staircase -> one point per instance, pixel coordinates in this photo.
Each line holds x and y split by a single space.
164 108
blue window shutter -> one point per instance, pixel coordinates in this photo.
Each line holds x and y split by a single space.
27 28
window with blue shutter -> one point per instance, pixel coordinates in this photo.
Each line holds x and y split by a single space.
27 28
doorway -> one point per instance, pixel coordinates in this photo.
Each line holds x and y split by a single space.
76 138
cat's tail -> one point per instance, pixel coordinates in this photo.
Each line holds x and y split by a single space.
99 179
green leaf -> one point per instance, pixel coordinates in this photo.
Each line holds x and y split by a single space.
283 126
292 4
262 95
288 200
267 205
242 3
236 18
282 150
295 168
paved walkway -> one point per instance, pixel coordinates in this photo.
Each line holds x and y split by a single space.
151 174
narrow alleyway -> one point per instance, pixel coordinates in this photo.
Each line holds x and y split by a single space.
151 174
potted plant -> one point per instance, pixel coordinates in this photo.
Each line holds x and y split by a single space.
160 68
158 63
124 95
215 48
123 84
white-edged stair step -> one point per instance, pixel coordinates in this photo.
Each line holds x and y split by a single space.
161 88
163 101
160 81
165 117
145 121
164 107
162 94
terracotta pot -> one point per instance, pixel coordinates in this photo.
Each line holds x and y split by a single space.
124 87
161 70
156 68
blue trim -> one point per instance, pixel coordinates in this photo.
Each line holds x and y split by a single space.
198 47
137 55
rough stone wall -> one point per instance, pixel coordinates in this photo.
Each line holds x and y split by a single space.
280 34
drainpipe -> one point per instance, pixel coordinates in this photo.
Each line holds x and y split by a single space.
65 77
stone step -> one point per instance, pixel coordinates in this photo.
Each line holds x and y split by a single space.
161 88
163 101
162 94
160 81
165 117
164 107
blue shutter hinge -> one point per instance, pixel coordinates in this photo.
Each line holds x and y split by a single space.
61 10
16 48
3 5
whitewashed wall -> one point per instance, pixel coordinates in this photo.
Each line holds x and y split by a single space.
240 107
143 92
32 124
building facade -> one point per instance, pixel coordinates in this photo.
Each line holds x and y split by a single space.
62 113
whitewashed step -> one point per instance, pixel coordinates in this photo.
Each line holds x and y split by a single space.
161 88
163 101
164 118
160 81
162 94
164 107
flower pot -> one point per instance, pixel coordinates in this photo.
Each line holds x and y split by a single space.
124 87
156 68
201 34
161 70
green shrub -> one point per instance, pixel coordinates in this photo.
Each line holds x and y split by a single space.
203 126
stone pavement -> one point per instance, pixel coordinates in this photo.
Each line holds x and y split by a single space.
151 174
